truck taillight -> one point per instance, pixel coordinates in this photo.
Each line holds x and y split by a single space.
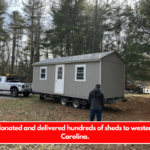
23 86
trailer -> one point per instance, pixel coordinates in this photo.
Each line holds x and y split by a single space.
71 78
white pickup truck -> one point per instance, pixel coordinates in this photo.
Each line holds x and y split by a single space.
9 85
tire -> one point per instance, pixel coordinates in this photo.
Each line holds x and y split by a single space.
14 92
76 103
64 101
42 97
140 90
26 94
57 99
134 91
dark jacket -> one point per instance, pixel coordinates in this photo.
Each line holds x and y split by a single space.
96 99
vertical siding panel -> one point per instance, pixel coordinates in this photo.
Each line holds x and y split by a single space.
45 86
72 88
51 78
77 88
112 79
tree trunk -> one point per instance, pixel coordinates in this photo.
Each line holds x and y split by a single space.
32 49
94 25
13 53
14 44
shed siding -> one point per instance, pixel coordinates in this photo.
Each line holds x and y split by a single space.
44 86
72 88
112 79
80 89
113 58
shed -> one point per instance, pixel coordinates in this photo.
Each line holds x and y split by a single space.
73 77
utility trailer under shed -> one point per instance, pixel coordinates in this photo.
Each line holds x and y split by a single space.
72 78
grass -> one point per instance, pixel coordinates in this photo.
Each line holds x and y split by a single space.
32 109
26 109
29 147
130 95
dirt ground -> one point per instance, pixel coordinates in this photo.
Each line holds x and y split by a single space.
137 108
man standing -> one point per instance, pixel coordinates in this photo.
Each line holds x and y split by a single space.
96 100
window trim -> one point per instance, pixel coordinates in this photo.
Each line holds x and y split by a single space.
77 66
45 73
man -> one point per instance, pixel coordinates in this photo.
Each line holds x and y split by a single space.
96 100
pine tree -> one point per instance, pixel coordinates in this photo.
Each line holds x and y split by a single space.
66 37
3 7
135 47
16 26
33 10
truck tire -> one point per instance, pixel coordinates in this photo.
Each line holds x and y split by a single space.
26 94
64 101
14 92
76 103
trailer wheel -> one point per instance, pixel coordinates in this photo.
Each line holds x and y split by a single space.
134 91
14 92
26 94
76 103
140 90
42 97
64 101
57 98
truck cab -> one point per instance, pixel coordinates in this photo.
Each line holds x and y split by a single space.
9 85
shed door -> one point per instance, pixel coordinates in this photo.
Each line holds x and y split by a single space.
59 79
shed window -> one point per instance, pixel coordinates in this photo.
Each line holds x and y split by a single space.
43 73
59 75
80 72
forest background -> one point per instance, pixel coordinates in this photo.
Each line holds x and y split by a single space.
42 29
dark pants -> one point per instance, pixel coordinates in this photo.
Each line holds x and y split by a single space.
98 114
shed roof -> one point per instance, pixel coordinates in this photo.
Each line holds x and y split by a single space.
77 58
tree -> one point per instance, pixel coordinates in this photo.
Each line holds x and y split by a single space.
40 9
3 35
74 30
33 10
103 25
16 26
67 35
29 10
135 47
3 6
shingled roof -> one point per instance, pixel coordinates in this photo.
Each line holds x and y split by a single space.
77 58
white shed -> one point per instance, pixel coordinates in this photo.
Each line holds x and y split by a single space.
72 78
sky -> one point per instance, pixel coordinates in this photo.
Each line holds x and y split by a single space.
14 5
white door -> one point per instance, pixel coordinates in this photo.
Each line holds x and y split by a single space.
59 79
